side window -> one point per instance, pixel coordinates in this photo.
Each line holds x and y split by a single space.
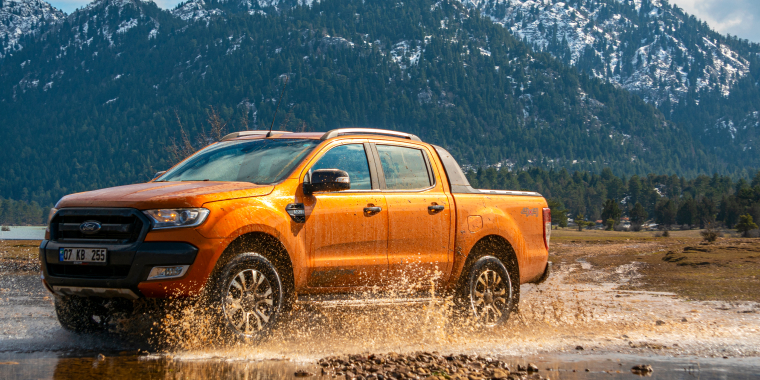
404 168
352 159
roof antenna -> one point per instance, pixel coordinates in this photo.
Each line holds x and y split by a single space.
278 107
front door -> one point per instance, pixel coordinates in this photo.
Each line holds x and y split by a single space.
347 230
419 213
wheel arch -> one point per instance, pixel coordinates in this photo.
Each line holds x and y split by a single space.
499 247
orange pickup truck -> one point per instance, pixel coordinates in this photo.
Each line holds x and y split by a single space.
258 219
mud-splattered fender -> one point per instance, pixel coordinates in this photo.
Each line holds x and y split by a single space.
235 218
503 216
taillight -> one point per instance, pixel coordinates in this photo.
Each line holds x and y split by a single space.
547 226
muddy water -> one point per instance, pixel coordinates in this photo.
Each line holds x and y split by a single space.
616 329
125 365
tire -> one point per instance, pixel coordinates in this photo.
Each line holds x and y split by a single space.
247 299
81 314
487 293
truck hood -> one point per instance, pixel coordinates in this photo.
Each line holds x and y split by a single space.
151 195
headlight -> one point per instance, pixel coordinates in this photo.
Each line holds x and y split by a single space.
180 217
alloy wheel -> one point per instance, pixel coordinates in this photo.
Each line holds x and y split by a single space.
249 302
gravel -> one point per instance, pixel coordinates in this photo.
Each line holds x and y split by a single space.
424 365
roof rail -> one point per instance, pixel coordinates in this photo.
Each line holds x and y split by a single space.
234 135
369 131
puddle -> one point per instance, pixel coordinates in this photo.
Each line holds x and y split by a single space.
116 366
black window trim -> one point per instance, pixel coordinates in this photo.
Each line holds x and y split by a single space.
372 164
379 167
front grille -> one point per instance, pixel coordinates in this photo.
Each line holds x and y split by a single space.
118 226
89 271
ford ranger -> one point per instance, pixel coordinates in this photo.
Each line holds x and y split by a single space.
257 220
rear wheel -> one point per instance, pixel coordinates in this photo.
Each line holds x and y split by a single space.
487 294
248 298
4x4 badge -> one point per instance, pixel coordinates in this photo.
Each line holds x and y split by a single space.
90 227
529 212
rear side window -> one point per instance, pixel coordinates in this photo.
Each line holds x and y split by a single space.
404 168
352 159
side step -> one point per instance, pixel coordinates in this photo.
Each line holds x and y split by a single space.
353 300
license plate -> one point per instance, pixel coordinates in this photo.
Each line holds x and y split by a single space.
83 255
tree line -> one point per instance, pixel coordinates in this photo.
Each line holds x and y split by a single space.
667 200
19 213
664 199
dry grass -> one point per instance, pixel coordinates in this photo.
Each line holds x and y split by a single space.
728 269
19 255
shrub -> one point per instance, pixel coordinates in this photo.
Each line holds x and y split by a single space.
710 234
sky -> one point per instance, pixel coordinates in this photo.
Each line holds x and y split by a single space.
737 17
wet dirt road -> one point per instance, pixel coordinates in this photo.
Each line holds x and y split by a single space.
580 306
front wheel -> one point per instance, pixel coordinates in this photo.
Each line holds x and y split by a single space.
488 293
81 314
248 298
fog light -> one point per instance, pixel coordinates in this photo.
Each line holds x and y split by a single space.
158 273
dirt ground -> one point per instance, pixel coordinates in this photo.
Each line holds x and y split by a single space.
19 256
725 270
611 292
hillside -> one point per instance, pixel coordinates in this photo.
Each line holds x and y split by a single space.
707 82
20 19
93 101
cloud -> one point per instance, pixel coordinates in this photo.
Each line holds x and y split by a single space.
737 17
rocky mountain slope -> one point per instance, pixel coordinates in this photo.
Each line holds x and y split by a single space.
24 18
655 50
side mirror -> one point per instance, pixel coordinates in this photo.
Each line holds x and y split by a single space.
158 174
326 180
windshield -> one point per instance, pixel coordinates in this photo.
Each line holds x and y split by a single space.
262 161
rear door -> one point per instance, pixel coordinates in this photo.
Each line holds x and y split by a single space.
419 214
347 230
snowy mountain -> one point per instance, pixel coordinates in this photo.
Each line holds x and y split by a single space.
114 80
649 47
20 18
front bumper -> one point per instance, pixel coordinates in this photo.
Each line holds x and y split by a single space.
128 265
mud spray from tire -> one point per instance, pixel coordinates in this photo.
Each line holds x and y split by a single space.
555 317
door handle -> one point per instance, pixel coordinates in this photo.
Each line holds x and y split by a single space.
373 209
436 208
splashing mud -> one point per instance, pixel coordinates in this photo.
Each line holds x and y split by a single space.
557 316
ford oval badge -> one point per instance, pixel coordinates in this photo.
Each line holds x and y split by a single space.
90 227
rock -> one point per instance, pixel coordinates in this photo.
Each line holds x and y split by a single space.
684 320
579 348
660 323
642 369
500 373
521 368
532 367
101 357
302 373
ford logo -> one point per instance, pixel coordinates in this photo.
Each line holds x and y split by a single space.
90 227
